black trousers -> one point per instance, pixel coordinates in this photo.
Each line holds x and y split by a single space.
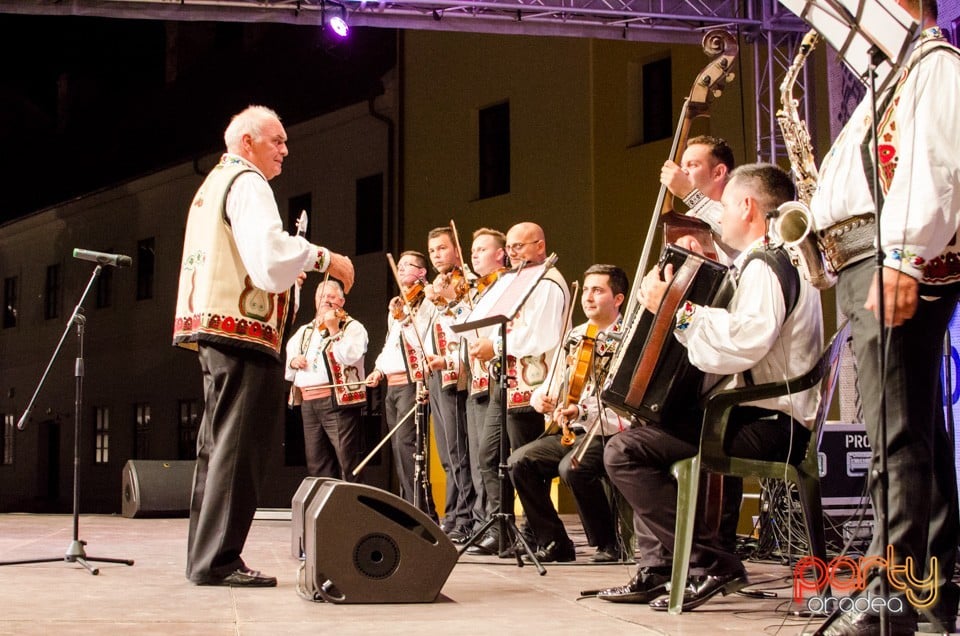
638 462
400 399
523 426
532 469
449 411
332 440
243 405
922 494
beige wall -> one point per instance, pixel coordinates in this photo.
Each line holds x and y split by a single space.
572 168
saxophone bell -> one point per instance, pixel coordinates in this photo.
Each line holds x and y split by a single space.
793 228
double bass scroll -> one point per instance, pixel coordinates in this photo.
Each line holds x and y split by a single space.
723 49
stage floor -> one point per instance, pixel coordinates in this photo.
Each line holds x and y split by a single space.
481 595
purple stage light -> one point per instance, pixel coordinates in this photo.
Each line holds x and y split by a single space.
339 26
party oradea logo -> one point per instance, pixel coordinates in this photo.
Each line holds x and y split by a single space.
847 577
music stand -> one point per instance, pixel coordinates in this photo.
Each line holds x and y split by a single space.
858 29
500 310
75 552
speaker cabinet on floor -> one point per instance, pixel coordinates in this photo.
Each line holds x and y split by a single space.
154 488
365 545
302 499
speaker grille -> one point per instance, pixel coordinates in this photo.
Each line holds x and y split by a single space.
376 556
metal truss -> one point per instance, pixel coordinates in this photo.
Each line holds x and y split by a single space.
773 30
642 20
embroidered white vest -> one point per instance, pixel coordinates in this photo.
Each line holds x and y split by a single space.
216 301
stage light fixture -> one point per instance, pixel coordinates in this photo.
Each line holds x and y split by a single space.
334 15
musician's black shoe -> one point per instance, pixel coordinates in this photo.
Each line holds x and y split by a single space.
610 554
242 577
700 589
648 584
555 552
458 536
487 546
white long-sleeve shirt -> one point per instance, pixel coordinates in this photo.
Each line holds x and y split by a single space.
348 347
754 333
272 257
920 216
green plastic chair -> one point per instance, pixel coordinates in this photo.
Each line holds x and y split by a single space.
713 458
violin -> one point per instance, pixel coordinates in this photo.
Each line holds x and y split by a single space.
453 279
486 280
338 312
409 297
579 371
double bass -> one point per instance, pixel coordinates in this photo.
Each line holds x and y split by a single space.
723 49
637 362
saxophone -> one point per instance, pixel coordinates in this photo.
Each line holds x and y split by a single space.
794 222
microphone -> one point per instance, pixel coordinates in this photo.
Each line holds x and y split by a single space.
113 260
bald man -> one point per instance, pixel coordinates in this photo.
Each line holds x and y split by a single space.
531 339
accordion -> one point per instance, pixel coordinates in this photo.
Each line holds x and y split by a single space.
650 372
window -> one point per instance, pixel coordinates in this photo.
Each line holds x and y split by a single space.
7 440
145 266
51 293
494 129
9 302
369 217
102 435
141 431
296 205
657 89
190 413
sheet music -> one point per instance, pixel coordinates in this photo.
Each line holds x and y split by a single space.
853 27
505 298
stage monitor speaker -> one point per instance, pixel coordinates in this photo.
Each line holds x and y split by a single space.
155 488
307 490
365 545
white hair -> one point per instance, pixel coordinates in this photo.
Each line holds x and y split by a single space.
247 122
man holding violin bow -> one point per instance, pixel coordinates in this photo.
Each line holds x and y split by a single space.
325 365
401 364
448 297
533 466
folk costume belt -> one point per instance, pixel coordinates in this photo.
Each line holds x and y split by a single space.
849 241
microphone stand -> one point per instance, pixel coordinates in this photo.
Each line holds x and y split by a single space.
422 492
75 551
881 474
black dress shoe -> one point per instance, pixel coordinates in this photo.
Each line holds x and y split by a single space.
487 546
863 624
648 584
243 577
700 589
458 536
607 555
554 552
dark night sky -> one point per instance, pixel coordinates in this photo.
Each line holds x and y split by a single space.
88 102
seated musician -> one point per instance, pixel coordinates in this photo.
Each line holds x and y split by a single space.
533 466
771 329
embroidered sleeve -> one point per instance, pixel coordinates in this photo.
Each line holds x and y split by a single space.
685 315
322 261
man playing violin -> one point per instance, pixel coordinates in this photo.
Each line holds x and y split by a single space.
772 329
448 296
531 339
488 257
318 356
534 465
401 364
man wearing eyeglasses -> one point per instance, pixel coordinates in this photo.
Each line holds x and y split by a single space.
532 336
